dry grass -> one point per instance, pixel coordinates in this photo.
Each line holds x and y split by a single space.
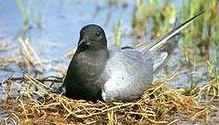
4 46
5 60
25 58
35 104
29 56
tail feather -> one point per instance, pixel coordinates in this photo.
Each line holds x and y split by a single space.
166 45
173 32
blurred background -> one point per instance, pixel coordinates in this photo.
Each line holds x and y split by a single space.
39 36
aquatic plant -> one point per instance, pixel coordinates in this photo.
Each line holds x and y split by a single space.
24 10
117 34
154 15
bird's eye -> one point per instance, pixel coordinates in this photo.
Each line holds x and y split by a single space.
98 34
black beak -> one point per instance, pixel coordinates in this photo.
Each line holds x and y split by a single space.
83 43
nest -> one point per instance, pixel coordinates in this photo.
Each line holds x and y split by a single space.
36 104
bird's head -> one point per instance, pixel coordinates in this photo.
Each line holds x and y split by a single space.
92 38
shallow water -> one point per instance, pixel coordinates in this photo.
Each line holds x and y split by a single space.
54 25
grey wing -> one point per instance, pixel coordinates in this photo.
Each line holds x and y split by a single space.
166 44
129 72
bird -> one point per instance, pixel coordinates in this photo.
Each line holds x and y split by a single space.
98 73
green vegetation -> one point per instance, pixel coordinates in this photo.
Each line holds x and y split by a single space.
117 34
202 34
31 14
200 41
24 10
156 13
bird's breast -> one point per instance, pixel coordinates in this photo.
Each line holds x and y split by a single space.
88 68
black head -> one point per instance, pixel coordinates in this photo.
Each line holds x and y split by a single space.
92 37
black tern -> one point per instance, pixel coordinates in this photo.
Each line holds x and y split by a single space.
97 73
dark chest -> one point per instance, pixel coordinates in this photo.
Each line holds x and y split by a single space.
89 66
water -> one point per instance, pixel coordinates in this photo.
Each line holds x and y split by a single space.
54 26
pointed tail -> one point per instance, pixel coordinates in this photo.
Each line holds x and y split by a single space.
175 31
